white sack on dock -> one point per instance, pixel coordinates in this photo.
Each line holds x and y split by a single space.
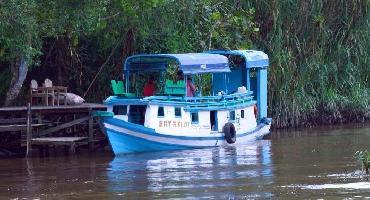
73 99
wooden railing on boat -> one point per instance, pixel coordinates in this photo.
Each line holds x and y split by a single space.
220 102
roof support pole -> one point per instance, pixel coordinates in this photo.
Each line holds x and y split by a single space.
248 80
262 93
226 81
127 77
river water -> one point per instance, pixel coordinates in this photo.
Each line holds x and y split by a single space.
305 164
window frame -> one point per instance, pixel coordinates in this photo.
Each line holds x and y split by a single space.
117 112
192 119
158 112
232 119
179 112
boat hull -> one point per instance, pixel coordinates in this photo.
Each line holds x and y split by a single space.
126 137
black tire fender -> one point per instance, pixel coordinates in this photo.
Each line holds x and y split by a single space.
229 133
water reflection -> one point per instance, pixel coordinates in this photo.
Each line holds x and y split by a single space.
308 164
241 169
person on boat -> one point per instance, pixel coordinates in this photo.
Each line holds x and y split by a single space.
149 88
255 110
180 76
190 88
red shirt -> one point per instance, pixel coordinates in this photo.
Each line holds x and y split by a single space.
149 89
190 89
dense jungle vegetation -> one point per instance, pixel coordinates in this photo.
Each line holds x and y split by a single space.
319 50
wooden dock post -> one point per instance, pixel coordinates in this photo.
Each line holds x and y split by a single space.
91 131
29 129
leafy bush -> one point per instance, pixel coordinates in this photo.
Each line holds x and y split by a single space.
364 158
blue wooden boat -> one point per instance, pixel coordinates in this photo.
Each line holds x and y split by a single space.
235 111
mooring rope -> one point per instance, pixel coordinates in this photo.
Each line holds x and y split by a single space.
102 66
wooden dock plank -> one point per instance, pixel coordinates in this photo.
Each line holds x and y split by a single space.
57 140
84 106
63 126
67 141
17 127
13 121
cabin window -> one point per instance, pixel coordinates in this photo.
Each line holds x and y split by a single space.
242 113
177 112
120 110
232 115
160 111
194 117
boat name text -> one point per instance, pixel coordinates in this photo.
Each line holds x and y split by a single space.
173 124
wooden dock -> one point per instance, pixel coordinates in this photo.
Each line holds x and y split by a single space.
45 126
47 109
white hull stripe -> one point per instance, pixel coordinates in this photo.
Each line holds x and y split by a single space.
189 143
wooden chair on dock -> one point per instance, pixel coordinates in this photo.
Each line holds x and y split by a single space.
59 92
42 93
48 93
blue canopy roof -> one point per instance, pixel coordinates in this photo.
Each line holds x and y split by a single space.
189 63
253 58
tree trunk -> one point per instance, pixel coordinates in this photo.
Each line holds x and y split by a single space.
62 58
128 49
19 70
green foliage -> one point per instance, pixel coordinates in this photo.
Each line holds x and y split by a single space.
319 50
166 27
5 77
172 72
319 54
27 27
364 158
204 83
19 31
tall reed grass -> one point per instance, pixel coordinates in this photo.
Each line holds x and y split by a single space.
320 67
